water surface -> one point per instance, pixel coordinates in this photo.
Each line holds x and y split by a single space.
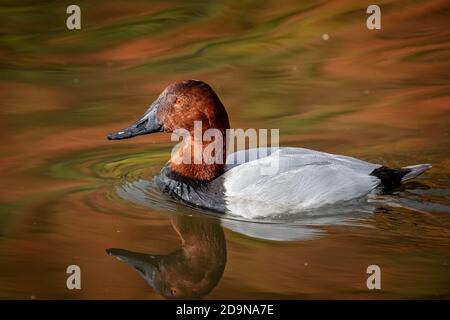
67 194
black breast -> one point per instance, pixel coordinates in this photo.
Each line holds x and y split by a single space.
207 195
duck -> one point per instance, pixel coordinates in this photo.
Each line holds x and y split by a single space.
238 183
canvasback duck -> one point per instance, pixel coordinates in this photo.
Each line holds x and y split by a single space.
305 179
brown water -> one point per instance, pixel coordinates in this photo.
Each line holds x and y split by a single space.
67 194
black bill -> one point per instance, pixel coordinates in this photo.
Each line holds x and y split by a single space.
147 124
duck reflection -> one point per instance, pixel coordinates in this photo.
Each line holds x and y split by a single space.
190 272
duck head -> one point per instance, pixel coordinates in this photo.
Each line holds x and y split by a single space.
179 106
190 272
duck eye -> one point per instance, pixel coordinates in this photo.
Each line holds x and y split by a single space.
178 101
173 292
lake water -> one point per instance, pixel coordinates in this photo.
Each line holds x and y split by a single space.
313 70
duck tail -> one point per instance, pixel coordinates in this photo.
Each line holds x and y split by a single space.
415 171
393 177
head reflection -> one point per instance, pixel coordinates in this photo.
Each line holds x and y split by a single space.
190 272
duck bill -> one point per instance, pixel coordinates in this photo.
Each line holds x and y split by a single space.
147 124
145 264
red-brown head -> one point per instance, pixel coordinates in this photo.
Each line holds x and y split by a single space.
178 107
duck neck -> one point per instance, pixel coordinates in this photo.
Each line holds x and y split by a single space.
199 160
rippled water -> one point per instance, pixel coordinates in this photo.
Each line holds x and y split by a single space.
67 194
